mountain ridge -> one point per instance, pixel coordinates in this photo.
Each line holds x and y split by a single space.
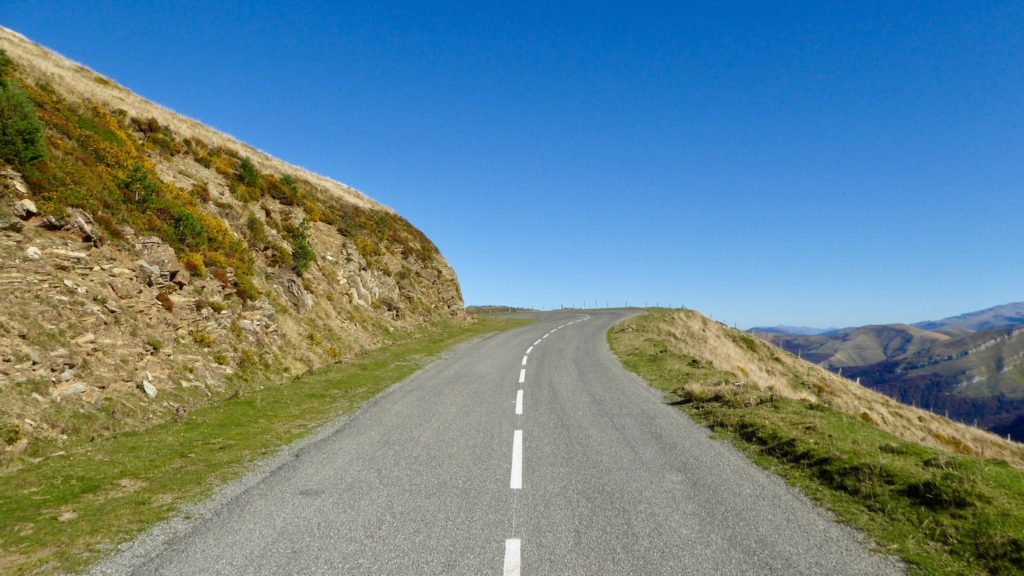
985 319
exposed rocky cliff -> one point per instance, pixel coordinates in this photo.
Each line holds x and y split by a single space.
149 263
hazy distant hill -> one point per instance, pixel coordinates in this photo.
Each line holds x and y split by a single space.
970 366
858 346
794 330
987 319
979 376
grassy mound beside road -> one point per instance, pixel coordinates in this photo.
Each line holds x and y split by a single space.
947 499
61 513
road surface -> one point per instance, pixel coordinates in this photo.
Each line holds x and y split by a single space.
529 452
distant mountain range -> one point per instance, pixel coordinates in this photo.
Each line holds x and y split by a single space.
970 366
795 330
987 319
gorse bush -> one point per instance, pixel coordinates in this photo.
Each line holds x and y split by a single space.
284 189
21 131
194 264
97 161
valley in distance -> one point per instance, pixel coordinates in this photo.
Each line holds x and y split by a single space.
969 367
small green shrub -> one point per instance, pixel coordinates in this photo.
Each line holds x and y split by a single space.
21 131
189 230
248 174
140 187
302 253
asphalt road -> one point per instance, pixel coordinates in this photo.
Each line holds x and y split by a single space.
442 476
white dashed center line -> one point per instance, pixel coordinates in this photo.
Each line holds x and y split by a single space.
513 546
511 557
516 481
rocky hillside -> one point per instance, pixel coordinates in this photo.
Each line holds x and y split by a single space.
149 264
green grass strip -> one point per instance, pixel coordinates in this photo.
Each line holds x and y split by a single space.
111 489
942 513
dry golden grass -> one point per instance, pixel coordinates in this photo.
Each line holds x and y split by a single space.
73 80
766 367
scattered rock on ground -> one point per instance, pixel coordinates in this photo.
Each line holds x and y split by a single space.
75 388
24 209
147 387
8 224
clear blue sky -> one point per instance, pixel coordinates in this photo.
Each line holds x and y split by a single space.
827 163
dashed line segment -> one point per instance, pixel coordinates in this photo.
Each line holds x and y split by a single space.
513 546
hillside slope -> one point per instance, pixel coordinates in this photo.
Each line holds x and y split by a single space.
150 264
949 499
978 377
747 362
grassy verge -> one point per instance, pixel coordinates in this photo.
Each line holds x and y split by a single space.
942 513
63 512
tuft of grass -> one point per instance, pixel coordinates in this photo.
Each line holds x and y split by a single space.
10 432
943 513
155 343
120 485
